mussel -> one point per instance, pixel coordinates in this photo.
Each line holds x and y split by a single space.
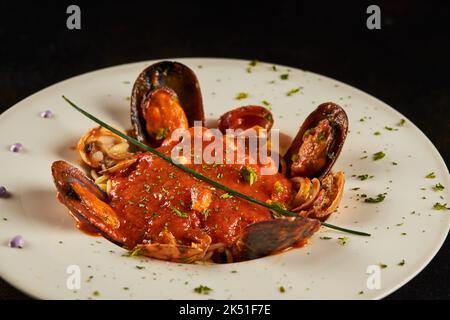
318 143
246 117
165 96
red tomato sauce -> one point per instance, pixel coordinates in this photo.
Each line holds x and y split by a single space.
154 199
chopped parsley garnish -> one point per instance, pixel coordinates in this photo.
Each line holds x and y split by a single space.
363 177
390 128
202 289
241 96
379 198
267 104
282 289
140 267
401 123
279 187
440 206
326 238
278 206
274 68
284 76
226 196
431 175
146 187
402 263
379 155
321 136
330 155
394 163
179 213
96 293
161 133
219 175
253 63
343 240
438 187
377 133
206 212
382 265
248 174
268 117
133 253
354 189
293 91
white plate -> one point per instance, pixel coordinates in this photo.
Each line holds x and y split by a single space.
324 269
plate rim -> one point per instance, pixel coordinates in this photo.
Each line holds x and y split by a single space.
424 262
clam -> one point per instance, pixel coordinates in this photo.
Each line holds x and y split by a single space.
101 149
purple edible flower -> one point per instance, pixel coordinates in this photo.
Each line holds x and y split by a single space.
16 147
46 114
3 192
17 242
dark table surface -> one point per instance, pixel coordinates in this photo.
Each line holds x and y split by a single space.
406 63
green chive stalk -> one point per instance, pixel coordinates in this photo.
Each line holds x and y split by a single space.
199 176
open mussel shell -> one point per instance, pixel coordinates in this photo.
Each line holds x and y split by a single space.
85 201
246 117
174 76
263 238
338 121
65 174
162 114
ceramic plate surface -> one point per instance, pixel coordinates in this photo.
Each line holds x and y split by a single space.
406 230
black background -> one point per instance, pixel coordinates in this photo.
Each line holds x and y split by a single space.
405 64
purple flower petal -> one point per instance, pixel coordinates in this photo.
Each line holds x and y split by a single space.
16 147
17 242
46 114
3 192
